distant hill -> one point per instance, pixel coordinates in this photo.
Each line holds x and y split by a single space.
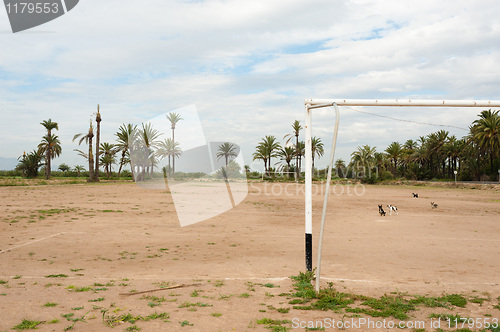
8 164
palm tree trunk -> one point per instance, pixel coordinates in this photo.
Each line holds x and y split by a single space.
47 163
297 155
173 157
98 120
121 163
91 162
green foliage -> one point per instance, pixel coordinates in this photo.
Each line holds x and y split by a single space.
27 324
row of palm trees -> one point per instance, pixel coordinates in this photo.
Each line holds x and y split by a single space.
140 147
439 154
270 148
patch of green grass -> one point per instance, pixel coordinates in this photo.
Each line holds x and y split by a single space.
244 295
133 328
53 321
216 314
17 277
56 276
2 282
188 304
27 324
219 283
50 304
275 325
269 285
73 288
97 300
77 308
185 322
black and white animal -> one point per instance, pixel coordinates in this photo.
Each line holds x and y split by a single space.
392 208
381 211
434 205
415 195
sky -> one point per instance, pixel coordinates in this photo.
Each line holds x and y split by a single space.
247 66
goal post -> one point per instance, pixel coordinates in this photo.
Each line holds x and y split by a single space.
310 105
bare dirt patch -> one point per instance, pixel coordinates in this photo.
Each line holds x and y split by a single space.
68 252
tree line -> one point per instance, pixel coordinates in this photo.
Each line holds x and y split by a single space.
476 156
137 146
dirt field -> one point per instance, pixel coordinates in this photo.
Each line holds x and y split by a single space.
118 238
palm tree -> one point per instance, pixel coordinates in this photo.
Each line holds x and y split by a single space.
261 154
90 157
142 150
340 167
167 148
394 151
173 118
364 157
296 131
51 147
226 150
300 150
317 148
98 137
78 169
49 125
287 153
124 136
63 168
108 157
30 163
271 147
486 132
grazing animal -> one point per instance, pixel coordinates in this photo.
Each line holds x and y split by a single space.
415 195
392 208
434 205
381 211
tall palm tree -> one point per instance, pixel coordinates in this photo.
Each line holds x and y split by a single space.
317 148
261 153
124 138
226 150
167 148
87 137
286 154
173 118
300 151
270 147
486 132
97 144
51 147
49 125
143 149
394 151
296 131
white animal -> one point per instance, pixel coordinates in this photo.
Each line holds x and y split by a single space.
392 208
434 205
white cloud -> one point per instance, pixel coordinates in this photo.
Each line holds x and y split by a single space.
247 67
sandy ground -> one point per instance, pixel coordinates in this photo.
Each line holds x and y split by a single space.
129 238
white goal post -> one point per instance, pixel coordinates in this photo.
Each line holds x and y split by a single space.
311 104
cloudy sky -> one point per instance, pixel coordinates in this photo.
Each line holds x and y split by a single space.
247 67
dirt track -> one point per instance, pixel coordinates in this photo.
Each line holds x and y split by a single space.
107 234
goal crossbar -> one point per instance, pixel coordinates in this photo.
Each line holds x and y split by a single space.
311 104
